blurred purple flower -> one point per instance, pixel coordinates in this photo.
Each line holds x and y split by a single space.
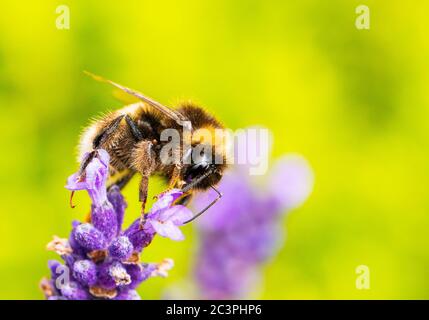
100 260
243 230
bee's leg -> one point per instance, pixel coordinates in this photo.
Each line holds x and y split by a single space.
101 137
145 164
98 141
121 183
174 181
175 177
143 198
138 136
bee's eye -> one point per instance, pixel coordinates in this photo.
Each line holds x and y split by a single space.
196 170
199 160
201 156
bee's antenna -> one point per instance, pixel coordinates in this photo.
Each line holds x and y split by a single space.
219 195
193 183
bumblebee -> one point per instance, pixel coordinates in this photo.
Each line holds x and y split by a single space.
133 137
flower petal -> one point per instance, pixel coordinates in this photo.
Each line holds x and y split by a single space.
177 214
93 179
167 229
166 199
74 183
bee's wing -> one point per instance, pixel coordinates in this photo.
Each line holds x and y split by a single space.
171 113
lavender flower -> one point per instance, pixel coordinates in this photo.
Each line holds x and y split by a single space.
242 231
100 260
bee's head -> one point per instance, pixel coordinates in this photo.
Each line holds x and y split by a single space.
205 160
202 167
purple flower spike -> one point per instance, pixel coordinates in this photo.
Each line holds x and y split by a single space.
89 237
121 248
104 261
85 271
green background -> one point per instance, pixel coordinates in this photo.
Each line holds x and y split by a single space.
353 102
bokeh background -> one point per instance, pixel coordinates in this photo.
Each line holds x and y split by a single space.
353 102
